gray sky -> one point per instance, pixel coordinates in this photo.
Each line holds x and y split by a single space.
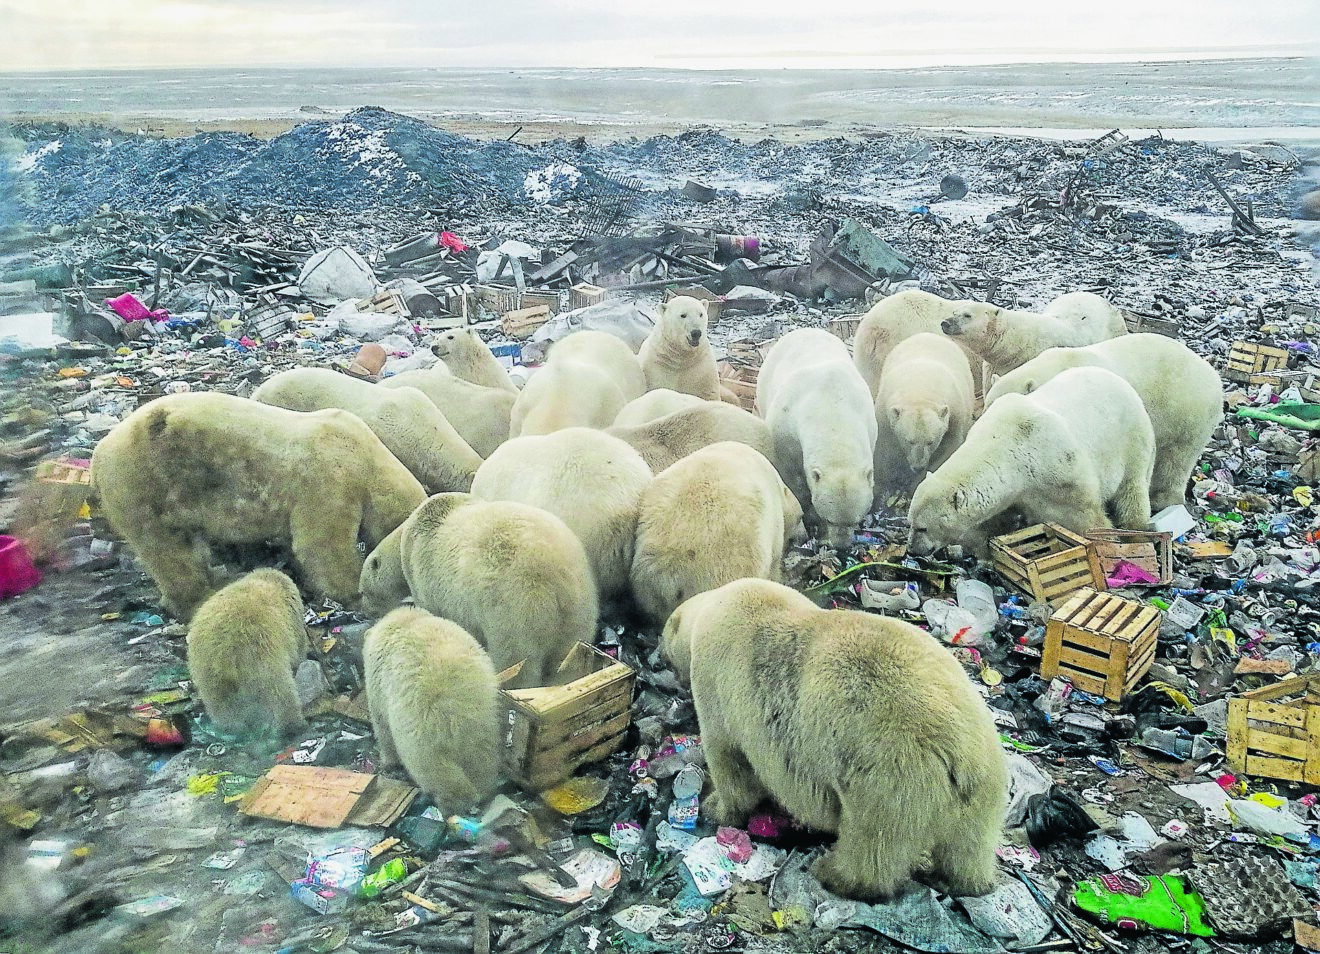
96 34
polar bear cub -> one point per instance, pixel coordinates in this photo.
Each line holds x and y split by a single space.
586 381
654 404
720 514
513 576
856 724
1008 339
470 358
244 645
1079 452
1182 393
589 479
676 354
822 421
405 420
923 408
434 702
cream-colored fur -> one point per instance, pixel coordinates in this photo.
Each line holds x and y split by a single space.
187 470
923 409
677 355
244 645
821 417
720 514
470 358
892 321
1078 452
434 706
1182 393
587 379
654 404
667 439
479 414
1008 339
513 576
854 723
589 479
405 420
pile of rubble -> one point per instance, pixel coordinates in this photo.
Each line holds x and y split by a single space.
1170 756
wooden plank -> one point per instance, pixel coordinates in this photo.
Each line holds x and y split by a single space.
1073 567
583 742
1049 660
1274 768
1288 687
1033 579
1091 662
619 699
1237 735
1279 715
1311 766
1081 637
1268 743
1084 681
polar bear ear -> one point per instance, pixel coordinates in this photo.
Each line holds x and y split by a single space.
895 413
960 499
942 412
816 475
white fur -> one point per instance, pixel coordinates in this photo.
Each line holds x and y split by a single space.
587 379
676 354
892 321
470 358
479 414
822 421
654 404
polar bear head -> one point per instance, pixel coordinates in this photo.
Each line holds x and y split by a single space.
1037 371
684 320
452 342
920 428
382 583
941 515
972 319
841 496
676 641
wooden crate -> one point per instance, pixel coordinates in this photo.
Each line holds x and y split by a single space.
714 303
551 731
1101 642
1141 323
1153 552
522 322
741 380
845 328
1275 732
585 294
1047 561
1248 360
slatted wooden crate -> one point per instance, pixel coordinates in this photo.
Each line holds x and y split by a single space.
845 328
522 322
1274 732
1248 360
1047 561
1101 642
741 380
1153 552
550 732
585 294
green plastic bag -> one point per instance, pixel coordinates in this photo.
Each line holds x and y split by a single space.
1168 903
1304 417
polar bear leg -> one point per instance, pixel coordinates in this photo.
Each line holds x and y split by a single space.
965 864
287 709
1173 468
324 544
736 791
1131 504
443 779
380 727
875 854
180 564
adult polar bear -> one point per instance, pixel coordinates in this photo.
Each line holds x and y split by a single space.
1078 452
822 421
1183 395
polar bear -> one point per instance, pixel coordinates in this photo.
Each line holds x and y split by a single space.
676 354
479 414
894 319
667 439
513 576
822 421
470 358
1078 451
720 514
923 409
1008 339
1182 392
587 379
591 480
655 404
244 645
229 470
856 724
405 420
434 701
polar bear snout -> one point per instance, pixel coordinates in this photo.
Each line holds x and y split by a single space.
694 337
951 326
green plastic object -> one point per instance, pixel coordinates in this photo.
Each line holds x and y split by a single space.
392 872
1304 417
1167 903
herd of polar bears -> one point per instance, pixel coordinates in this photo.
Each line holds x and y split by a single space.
513 518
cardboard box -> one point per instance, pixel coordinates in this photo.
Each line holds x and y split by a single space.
549 732
326 797
1274 732
1103 643
1047 561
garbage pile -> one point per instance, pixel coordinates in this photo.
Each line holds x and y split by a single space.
1160 715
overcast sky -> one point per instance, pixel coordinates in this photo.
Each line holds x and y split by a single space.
96 34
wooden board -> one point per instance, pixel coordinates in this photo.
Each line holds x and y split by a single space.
326 797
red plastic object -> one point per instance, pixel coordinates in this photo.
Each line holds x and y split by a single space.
17 574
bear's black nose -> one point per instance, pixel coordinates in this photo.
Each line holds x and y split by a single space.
949 326
694 337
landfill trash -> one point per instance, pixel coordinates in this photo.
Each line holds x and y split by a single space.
336 274
620 317
1178 743
1009 912
1175 520
17 572
686 806
589 869
1133 902
890 596
1248 896
1024 781
31 331
110 773
1251 814
310 682
915 918
1055 815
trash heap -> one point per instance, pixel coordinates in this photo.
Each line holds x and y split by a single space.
1156 690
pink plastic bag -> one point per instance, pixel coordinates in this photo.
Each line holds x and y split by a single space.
128 307
17 574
